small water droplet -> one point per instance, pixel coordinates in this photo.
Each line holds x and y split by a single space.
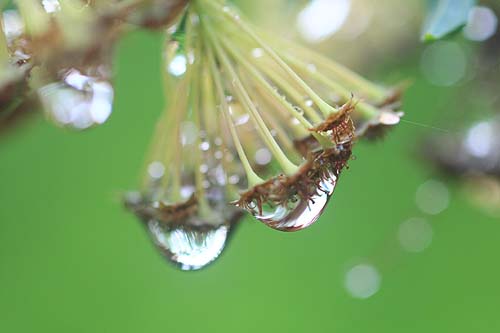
51 6
234 179
156 170
178 65
205 146
257 52
312 68
309 102
78 100
298 213
203 168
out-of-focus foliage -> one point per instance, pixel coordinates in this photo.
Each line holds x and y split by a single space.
445 17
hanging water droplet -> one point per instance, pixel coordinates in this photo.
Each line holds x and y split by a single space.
189 248
188 235
292 203
298 213
78 100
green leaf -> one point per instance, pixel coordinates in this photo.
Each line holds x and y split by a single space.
445 17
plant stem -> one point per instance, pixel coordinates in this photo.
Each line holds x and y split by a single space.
4 50
352 79
324 107
287 166
252 178
270 90
36 20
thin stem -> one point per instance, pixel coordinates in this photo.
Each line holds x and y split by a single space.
288 167
252 178
271 91
324 107
366 109
352 79
4 50
36 20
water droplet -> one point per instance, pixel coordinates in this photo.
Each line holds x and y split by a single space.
191 248
78 100
51 6
309 102
203 168
298 213
263 156
205 146
178 65
13 24
156 170
257 53
187 235
312 68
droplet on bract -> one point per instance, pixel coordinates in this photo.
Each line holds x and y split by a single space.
299 213
191 248
78 100
183 234
293 203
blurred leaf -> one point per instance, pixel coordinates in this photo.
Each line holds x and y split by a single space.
445 17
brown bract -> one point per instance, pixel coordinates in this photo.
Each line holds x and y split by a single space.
339 124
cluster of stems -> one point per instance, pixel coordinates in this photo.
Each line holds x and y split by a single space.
266 114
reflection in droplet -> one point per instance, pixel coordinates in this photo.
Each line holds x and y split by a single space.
322 18
482 24
78 100
415 235
444 63
190 248
432 197
362 281
299 213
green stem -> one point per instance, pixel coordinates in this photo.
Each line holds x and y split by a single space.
4 50
346 76
324 107
366 109
287 166
270 90
36 20
252 178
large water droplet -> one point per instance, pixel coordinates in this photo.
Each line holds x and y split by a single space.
186 237
298 213
190 248
78 100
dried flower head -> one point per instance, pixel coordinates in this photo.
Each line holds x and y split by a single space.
252 122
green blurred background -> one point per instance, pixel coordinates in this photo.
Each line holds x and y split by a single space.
73 260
